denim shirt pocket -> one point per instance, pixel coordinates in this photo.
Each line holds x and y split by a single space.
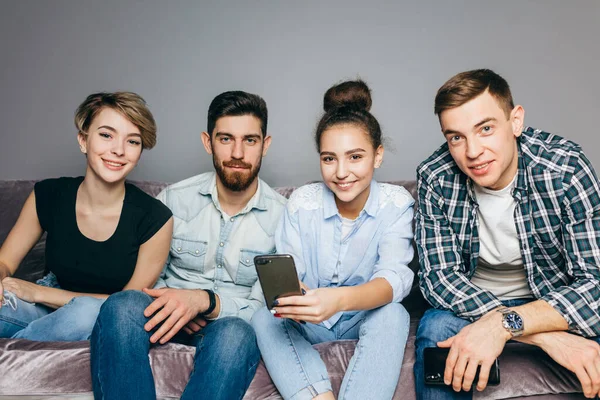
246 273
188 254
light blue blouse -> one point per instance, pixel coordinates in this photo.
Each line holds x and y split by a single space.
378 245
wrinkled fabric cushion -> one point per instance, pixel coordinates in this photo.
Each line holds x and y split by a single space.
51 368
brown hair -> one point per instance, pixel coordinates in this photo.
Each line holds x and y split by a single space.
465 86
349 103
131 105
236 103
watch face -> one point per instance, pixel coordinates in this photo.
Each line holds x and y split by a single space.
513 321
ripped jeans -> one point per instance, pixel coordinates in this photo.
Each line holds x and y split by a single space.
71 322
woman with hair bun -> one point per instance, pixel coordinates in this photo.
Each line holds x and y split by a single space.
103 234
350 238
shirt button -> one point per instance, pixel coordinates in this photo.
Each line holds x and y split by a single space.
179 249
219 266
216 287
197 251
247 261
221 244
231 219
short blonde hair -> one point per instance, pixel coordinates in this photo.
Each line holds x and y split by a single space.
130 104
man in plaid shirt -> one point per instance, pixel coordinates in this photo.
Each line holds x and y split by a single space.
508 235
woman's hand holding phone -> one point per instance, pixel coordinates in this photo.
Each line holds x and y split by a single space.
315 306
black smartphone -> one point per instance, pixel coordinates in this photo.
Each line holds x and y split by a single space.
278 277
435 364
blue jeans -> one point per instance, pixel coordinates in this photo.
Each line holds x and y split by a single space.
437 326
71 322
224 365
299 372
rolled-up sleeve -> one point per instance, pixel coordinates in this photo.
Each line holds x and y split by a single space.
395 252
242 307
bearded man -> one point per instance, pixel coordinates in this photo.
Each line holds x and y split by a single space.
208 290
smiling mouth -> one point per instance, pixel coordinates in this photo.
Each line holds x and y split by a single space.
344 185
113 163
481 166
237 168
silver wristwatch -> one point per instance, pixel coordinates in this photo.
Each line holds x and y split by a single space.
512 321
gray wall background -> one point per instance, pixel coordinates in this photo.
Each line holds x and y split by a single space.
180 54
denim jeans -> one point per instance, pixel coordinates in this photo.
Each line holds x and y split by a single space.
224 365
71 322
298 371
437 326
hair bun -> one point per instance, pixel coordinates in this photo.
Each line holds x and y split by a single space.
355 94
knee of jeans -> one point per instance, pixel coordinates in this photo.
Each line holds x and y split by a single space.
436 326
84 311
86 304
392 315
236 335
261 319
123 306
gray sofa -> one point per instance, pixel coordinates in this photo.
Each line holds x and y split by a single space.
58 370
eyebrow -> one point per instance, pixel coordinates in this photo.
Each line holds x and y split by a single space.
110 128
477 125
247 136
357 150
484 121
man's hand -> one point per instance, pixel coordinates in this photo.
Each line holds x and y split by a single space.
477 344
195 325
177 308
578 355
24 290
315 306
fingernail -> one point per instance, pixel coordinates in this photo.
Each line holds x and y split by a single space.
275 303
277 315
303 291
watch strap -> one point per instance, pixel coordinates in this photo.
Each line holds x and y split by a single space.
212 303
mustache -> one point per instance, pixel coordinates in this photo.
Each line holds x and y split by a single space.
236 164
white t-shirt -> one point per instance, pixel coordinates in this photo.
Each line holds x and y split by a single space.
500 267
347 225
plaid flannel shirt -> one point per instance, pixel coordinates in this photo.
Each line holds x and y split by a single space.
557 217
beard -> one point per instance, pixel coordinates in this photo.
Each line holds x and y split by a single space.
236 181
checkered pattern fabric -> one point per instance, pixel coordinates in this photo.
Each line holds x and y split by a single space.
557 217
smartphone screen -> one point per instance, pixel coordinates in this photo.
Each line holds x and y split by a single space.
278 277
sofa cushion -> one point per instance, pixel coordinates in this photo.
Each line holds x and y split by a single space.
62 368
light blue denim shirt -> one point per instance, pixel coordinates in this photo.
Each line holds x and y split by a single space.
377 246
212 250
